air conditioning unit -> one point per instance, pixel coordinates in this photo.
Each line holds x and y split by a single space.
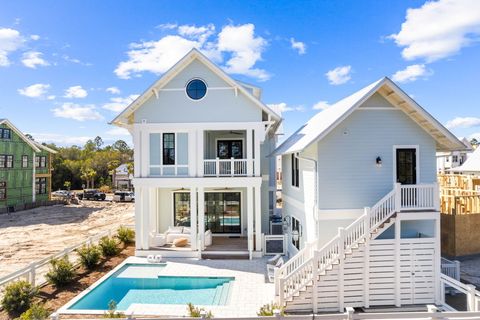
276 228
274 244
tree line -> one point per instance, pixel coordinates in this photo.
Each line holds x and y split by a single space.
88 166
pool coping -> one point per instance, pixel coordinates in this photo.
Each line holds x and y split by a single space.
130 260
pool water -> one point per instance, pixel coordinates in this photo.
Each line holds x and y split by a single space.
134 283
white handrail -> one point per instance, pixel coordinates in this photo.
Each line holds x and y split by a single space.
472 295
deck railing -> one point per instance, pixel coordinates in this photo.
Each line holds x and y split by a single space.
472 295
451 268
419 196
225 167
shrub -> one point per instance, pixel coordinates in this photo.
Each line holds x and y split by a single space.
61 272
105 189
125 235
267 310
89 256
112 311
109 246
18 296
194 312
36 312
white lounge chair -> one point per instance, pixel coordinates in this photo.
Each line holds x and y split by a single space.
271 269
273 260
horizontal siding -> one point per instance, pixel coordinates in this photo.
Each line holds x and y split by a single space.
348 175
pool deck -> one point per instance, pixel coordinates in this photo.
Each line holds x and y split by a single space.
249 292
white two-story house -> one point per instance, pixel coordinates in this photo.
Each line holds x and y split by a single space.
201 171
361 204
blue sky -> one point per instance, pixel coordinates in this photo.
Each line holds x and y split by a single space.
66 68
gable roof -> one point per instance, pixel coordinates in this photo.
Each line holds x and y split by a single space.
194 54
472 165
37 147
325 121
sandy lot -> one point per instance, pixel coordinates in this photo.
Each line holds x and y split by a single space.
31 235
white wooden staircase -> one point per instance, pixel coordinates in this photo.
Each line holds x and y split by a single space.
332 277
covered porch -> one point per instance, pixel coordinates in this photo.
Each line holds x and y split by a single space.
186 221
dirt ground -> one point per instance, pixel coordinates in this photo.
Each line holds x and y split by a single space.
31 235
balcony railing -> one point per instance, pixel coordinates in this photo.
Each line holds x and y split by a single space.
419 196
225 167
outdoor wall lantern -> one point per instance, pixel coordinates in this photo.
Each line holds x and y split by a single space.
378 161
295 235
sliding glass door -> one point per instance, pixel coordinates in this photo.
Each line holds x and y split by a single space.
222 212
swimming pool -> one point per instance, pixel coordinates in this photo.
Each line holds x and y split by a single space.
142 284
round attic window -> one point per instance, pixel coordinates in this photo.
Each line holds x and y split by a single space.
196 89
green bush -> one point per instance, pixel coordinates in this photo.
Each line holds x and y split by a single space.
109 247
194 312
61 272
112 311
125 235
89 256
267 310
36 312
18 296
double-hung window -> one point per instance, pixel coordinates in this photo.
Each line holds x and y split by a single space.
24 161
3 190
6 161
40 161
295 171
41 185
5 133
169 148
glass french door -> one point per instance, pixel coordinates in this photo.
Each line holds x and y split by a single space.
407 166
223 212
227 149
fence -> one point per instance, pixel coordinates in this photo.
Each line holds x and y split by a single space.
349 314
35 272
451 268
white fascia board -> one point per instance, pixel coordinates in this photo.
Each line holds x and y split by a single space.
199 126
208 182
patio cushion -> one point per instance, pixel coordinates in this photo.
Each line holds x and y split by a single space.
180 242
186 230
175 229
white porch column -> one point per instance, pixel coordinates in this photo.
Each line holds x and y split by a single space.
193 218
136 151
152 211
200 152
258 219
192 151
258 139
201 216
145 217
249 153
398 224
145 153
250 220
138 218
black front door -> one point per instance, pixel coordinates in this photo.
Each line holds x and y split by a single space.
227 149
407 166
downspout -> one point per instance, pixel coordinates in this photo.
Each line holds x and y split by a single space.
315 192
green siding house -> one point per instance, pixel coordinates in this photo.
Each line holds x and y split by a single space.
25 170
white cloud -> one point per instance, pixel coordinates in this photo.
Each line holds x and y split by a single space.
301 47
35 37
439 29
118 132
37 90
75 60
475 135
117 104
51 97
32 59
283 107
321 105
77 112
246 50
411 73
339 75
75 92
167 26
241 48
113 90
10 41
61 139
463 122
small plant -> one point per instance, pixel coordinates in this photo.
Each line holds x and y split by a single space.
105 189
125 235
195 312
108 246
18 296
267 310
36 312
61 272
112 311
89 256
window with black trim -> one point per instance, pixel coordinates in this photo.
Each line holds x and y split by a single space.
296 227
6 161
3 190
5 133
24 161
40 161
181 208
295 171
41 185
169 148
